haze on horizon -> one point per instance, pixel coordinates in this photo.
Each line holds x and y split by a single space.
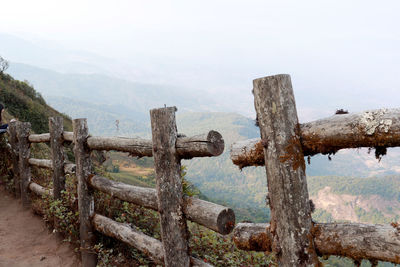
340 54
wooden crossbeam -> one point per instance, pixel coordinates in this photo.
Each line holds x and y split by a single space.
375 128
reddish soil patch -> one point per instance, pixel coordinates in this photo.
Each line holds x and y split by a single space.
25 240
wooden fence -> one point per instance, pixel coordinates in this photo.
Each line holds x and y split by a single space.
167 148
291 234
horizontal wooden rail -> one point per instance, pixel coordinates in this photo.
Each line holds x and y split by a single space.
127 234
39 138
46 163
45 137
213 216
68 136
353 240
205 145
41 163
376 128
40 190
135 146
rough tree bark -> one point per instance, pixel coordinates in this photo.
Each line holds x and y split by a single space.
57 154
24 129
353 240
85 194
167 167
375 128
289 202
204 145
213 216
15 157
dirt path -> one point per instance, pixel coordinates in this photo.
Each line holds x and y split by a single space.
25 240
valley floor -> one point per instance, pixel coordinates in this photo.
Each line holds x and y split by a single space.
25 240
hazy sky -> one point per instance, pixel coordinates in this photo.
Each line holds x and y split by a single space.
339 53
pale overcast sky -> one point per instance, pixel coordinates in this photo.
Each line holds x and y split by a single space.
339 53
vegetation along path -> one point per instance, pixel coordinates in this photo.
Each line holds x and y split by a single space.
25 240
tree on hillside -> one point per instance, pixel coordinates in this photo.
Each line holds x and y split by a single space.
3 65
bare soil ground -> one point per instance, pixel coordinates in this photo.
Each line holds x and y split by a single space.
25 240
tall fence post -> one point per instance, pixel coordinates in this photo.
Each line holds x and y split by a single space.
23 129
284 162
15 157
57 155
167 167
85 194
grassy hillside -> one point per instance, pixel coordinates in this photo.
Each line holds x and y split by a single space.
367 200
385 187
24 103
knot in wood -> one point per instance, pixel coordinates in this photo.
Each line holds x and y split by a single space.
276 247
264 143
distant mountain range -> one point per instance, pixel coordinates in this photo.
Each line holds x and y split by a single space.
107 90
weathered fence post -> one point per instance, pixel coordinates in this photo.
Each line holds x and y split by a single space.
23 129
15 157
167 167
85 194
285 167
57 155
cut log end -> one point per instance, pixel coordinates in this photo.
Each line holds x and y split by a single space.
226 221
216 143
210 144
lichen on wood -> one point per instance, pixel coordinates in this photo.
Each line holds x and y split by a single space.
377 129
289 202
167 168
293 154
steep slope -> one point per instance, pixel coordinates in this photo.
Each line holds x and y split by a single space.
368 200
25 104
